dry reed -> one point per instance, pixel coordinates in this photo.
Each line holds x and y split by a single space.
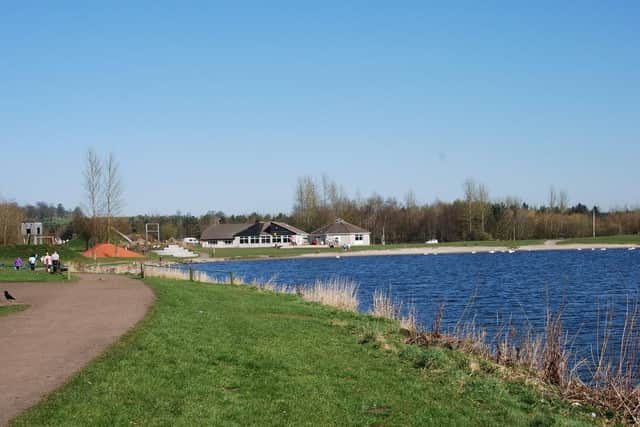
613 383
339 293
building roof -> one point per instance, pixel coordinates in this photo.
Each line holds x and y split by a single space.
223 231
289 227
340 227
229 231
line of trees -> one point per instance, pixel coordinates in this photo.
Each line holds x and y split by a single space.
475 216
317 202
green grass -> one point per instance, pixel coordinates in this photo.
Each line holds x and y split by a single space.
621 239
10 275
9 253
6 310
237 356
68 254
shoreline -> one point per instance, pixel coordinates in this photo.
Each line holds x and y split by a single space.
470 250
429 250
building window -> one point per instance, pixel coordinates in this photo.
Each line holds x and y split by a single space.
277 239
244 240
228 242
286 239
255 239
358 237
265 239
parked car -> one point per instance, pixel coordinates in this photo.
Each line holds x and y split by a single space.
190 240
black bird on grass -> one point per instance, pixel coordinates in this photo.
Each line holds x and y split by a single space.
8 296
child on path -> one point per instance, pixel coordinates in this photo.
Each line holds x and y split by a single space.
18 263
46 260
32 261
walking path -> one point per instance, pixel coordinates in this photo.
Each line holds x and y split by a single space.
67 325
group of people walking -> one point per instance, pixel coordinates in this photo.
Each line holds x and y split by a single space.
50 262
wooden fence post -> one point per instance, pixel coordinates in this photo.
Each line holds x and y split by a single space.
191 274
231 277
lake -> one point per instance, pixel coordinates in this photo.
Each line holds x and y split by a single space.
490 289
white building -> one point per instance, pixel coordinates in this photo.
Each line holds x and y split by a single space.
32 232
341 233
252 235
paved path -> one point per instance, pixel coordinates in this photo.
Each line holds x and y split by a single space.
67 325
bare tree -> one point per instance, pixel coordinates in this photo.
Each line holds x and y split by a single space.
112 191
470 190
306 202
93 187
553 198
483 201
563 200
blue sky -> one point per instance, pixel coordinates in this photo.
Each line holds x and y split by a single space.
222 106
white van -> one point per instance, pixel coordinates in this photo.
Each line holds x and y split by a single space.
190 240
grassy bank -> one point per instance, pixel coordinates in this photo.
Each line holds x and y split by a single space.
233 355
9 253
11 275
68 254
6 310
623 239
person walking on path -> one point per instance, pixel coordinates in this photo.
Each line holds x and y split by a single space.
55 260
18 263
32 261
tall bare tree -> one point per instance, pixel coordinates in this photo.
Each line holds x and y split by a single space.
483 201
306 202
470 189
113 190
563 200
93 186
553 198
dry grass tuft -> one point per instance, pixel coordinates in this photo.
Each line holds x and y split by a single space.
338 293
612 386
383 306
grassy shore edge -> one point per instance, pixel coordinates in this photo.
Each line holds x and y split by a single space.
216 354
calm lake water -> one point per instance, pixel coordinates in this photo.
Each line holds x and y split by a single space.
490 289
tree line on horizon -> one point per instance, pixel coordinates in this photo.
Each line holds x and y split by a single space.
473 216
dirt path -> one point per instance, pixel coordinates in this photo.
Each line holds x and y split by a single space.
67 325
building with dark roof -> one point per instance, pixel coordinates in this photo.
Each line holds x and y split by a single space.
341 233
250 235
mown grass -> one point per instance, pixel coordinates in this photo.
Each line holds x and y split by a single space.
70 253
622 239
10 275
9 253
6 310
238 356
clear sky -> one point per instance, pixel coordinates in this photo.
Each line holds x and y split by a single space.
212 106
